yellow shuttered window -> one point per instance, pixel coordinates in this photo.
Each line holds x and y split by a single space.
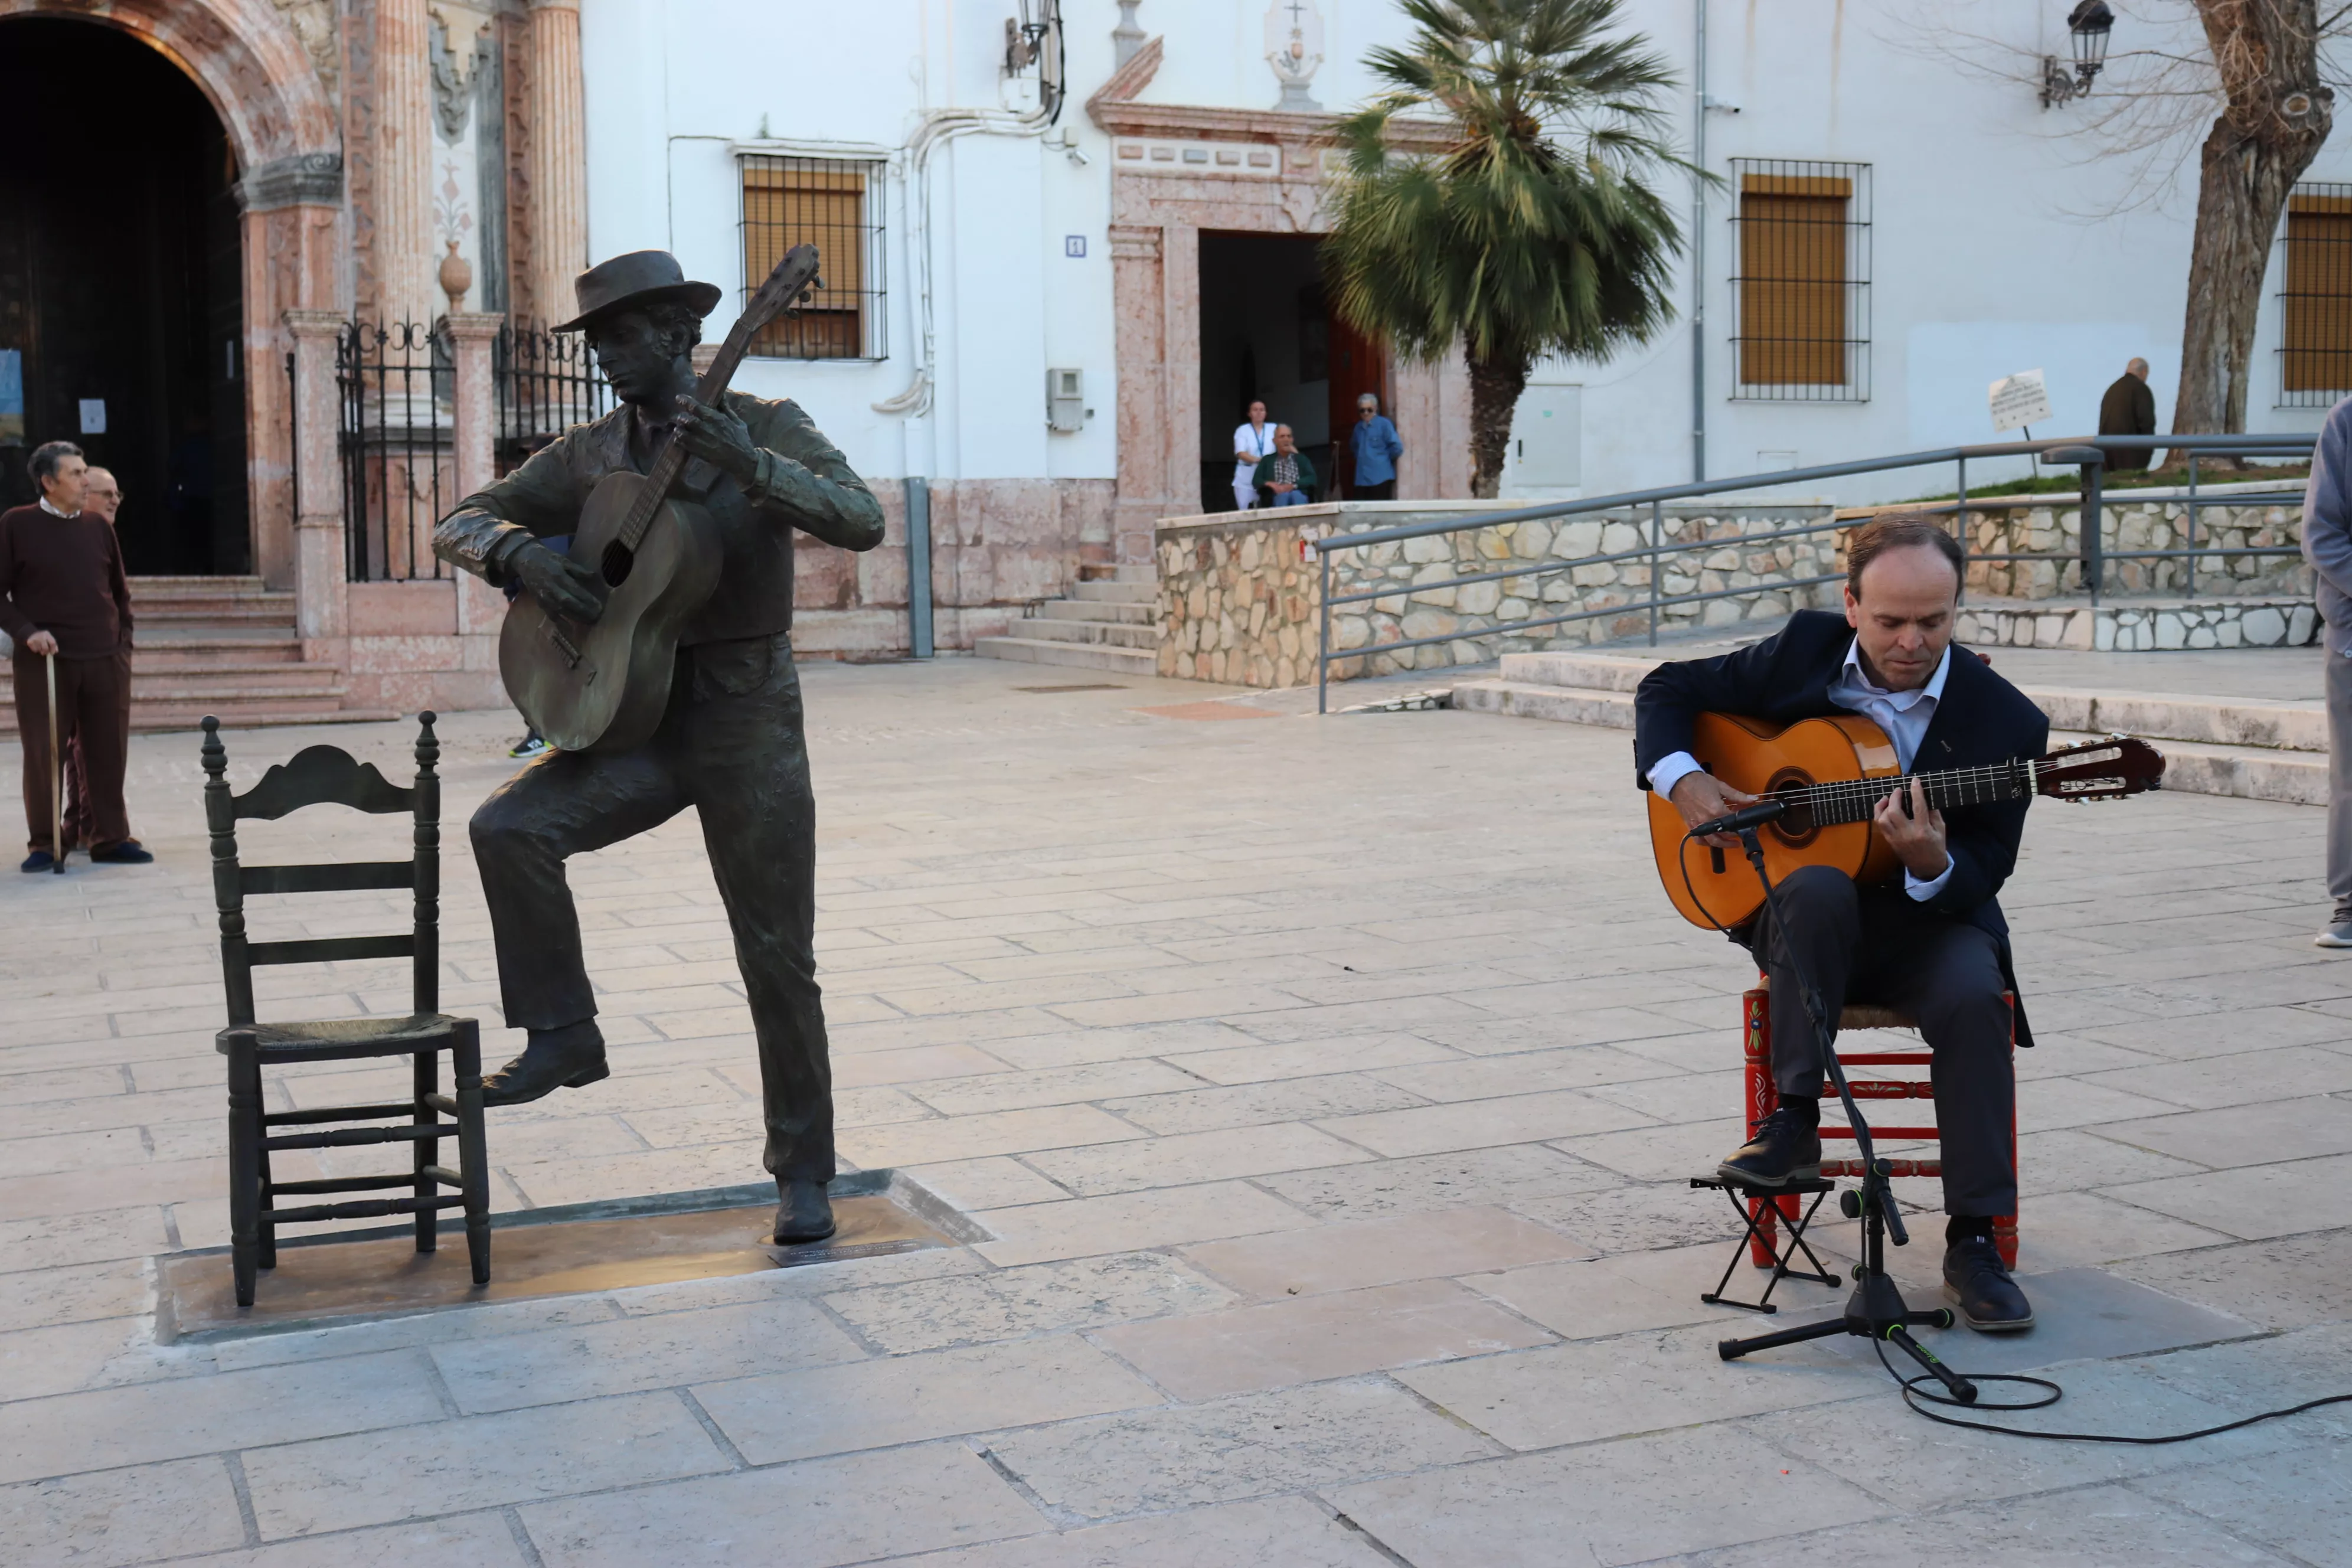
832 205
2315 335
1801 290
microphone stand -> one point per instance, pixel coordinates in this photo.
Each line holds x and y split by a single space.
1876 1309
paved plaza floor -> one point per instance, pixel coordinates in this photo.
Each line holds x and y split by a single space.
1328 1087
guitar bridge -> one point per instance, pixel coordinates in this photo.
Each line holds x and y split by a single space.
573 657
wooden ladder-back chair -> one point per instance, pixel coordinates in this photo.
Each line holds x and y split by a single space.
1763 1097
321 776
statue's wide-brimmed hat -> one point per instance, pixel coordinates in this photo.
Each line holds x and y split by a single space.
639 277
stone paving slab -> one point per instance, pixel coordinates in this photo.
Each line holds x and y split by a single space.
1386 1009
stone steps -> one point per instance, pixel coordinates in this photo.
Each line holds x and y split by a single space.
1107 623
1114 634
2253 750
1074 655
222 646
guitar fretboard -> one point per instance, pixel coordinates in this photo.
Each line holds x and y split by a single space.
1857 800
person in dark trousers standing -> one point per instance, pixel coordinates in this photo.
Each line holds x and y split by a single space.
2130 409
730 742
62 591
101 497
1376 445
1932 944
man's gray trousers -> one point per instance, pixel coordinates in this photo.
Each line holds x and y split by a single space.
730 745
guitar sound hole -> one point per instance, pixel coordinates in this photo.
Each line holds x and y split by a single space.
618 559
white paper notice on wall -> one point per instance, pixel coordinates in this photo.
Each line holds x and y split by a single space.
93 415
2019 400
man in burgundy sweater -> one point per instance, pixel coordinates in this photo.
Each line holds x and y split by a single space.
62 591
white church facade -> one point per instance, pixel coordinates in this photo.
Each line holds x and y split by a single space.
1145 248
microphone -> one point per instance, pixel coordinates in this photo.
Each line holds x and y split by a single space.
1745 818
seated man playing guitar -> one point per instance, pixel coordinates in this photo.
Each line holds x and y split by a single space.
729 742
1934 945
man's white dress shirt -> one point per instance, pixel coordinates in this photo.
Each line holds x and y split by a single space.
55 512
1903 715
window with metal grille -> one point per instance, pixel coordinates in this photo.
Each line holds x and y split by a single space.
835 204
1801 290
2315 296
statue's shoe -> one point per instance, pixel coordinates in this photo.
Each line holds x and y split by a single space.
804 1213
569 1058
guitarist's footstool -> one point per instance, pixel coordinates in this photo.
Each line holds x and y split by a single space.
1759 1208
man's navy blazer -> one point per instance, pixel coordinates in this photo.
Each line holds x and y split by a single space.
1980 719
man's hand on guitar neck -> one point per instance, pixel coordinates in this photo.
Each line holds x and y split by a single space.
559 583
1703 797
1916 835
720 438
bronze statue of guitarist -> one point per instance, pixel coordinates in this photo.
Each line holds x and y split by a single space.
728 744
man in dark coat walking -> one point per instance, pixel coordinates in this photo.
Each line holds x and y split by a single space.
730 744
2130 409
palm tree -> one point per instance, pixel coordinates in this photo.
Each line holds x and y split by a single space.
1538 231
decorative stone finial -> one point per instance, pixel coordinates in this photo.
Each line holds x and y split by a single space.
456 276
1128 36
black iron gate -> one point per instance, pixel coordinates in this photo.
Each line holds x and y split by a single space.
397 441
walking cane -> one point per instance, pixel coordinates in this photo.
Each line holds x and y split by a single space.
56 778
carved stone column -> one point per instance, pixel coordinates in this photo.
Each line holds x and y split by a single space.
295 256
320 592
1140 305
405 256
480 607
559 180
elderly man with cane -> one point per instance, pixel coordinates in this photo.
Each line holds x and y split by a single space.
66 605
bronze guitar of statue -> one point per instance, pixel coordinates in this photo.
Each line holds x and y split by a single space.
586 685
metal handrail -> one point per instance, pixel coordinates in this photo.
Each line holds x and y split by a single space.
2093 555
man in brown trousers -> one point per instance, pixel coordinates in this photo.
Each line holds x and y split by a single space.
62 592
101 495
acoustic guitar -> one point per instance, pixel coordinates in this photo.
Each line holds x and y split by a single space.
603 685
1832 773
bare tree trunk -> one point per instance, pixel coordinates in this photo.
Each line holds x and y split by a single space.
2275 117
1496 384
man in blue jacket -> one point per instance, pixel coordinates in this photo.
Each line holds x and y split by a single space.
1933 945
1376 447
2328 546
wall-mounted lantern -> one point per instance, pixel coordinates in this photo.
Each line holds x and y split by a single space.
2087 27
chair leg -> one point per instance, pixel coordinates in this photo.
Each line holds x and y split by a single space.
1763 1098
2005 1227
473 1148
244 1164
427 1155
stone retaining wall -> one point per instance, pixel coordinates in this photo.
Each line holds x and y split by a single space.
1238 604
2134 520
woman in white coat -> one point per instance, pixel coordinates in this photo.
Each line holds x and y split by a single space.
1253 444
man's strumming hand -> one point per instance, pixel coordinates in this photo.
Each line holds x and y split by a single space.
559 583
719 439
41 643
1703 797
1917 836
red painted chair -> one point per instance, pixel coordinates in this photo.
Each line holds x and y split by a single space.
1764 1096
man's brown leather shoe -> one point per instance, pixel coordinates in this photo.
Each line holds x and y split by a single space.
570 1058
804 1213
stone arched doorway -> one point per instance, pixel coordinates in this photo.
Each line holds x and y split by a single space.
1176 172
278 189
